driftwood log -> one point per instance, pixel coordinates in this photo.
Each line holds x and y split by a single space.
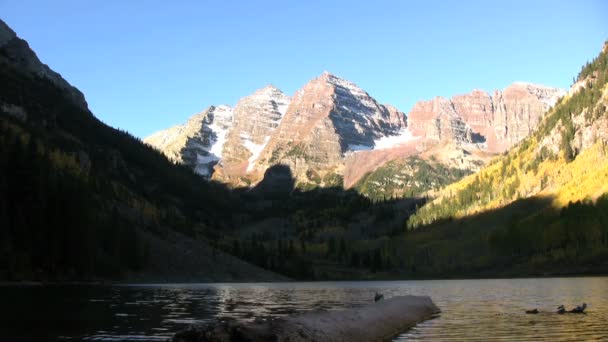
378 321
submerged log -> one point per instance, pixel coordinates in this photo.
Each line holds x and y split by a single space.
378 321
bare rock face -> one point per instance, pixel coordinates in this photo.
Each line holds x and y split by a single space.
439 120
199 142
17 53
326 119
256 117
496 121
396 117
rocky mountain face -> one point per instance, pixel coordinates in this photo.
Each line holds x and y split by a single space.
328 118
197 143
461 133
333 133
256 117
312 133
496 121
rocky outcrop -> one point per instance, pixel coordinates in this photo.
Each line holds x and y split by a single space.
255 119
495 122
438 119
17 53
199 142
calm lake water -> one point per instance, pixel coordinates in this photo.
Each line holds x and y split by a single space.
481 310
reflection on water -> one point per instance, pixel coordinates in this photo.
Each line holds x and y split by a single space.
471 309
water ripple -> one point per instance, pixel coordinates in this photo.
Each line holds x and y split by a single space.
472 310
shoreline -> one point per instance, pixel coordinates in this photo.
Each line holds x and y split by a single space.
33 283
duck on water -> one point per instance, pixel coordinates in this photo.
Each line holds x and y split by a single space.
562 310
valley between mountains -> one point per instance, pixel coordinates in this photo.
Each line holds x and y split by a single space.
326 183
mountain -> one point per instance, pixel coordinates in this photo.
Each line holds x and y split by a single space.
256 117
197 143
562 154
452 137
80 200
326 119
17 53
230 138
496 121
270 128
333 133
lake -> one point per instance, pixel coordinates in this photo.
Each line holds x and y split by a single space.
489 309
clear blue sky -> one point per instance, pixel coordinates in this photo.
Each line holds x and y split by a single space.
147 65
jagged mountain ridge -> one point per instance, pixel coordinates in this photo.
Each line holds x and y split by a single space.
498 121
358 119
456 136
332 132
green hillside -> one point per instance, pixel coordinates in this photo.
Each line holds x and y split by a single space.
409 177
540 208
565 158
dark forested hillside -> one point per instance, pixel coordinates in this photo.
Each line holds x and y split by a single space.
77 196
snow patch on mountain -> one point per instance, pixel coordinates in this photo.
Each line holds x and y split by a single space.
358 147
547 95
217 143
219 124
385 142
403 136
255 150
